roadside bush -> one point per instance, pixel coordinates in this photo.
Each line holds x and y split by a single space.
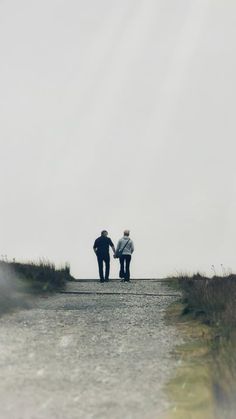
41 276
213 301
212 298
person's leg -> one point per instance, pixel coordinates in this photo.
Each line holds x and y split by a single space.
127 267
121 274
107 267
100 267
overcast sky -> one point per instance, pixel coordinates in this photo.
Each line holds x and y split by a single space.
114 115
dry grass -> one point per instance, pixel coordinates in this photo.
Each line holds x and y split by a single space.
38 276
213 302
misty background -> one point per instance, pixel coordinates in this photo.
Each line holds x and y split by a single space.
115 115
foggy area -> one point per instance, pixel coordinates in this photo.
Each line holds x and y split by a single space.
14 293
119 115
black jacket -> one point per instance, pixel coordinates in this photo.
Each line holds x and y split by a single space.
102 244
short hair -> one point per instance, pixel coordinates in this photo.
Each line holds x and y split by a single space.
104 231
126 233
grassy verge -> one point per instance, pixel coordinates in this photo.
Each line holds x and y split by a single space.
205 383
190 389
34 277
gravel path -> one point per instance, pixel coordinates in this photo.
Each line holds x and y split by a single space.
94 355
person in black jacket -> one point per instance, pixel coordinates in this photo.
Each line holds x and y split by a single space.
101 248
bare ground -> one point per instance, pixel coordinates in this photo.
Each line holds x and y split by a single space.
105 352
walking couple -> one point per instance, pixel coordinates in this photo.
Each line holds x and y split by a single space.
123 252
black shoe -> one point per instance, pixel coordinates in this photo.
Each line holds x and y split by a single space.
106 280
102 280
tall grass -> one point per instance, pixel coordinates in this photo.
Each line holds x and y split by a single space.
211 298
213 301
38 276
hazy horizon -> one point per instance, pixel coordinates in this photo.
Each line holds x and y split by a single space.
119 115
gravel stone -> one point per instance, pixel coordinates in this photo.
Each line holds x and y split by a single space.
98 355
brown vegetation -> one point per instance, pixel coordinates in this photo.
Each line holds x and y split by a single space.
213 302
41 276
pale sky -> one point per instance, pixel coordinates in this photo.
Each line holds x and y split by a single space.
115 115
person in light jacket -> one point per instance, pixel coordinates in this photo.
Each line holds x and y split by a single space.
126 246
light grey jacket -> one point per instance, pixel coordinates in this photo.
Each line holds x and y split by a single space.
129 248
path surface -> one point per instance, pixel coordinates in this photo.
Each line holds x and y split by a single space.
92 355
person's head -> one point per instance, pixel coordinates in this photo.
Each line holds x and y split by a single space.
104 233
126 233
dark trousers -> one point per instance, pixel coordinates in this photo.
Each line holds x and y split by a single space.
124 267
103 259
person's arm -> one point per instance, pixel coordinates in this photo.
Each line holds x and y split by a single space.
118 246
112 246
95 247
116 249
132 246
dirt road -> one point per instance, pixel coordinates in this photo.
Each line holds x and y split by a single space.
101 351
